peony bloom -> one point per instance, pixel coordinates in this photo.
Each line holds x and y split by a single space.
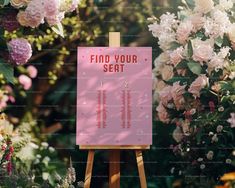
25 81
162 113
167 72
202 50
183 31
198 84
20 51
204 6
32 71
176 56
177 92
165 95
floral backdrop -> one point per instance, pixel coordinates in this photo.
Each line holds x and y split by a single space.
193 45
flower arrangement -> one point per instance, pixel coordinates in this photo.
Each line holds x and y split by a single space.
194 85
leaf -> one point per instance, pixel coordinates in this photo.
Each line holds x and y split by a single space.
182 64
174 45
58 29
219 41
195 68
7 71
178 79
4 2
190 49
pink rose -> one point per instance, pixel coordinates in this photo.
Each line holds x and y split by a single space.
197 85
176 56
165 95
162 113
183 31
177 92
202 51
25 81
32 71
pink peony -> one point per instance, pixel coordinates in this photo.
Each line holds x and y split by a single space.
32 71
25 81
176 56
165 95
202 50
20 51
198 84
162 113
177 92
183 31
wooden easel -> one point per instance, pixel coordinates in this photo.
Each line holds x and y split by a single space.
114 151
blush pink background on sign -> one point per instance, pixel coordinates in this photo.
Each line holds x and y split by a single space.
139 76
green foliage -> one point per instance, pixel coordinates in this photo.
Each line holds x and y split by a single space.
7 71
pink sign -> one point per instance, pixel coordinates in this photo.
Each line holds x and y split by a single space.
114 96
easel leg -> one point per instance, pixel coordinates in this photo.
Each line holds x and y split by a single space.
89 165
140 165
114 169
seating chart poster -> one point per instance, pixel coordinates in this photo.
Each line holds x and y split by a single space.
114 96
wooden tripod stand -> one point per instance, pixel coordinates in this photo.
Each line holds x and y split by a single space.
114 151
114 164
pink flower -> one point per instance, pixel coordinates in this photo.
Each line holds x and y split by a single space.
20 51
202 51
165 95
51 7
197 85
32 71
177 92
183 31
33 15
198 21
162 113
231 120
25 81
176 56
